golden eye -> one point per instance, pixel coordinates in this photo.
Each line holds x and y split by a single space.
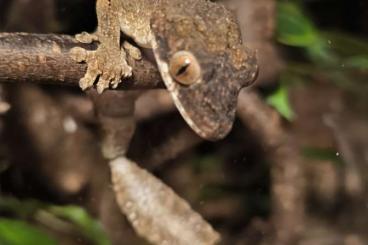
184 68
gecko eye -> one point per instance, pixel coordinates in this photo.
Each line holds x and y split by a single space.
184 68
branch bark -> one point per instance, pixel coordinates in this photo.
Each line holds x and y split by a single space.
286 166
44 58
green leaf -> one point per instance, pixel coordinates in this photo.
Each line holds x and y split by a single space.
13 232
296 29
280 101
293 27
88 226
30 209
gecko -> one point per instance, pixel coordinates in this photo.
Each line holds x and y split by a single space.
198 49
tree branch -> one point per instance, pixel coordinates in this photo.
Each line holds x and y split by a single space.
44 58
286 168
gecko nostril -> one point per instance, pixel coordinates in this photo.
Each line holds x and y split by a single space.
184 68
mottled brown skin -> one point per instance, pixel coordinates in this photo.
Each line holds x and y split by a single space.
205 29
211 33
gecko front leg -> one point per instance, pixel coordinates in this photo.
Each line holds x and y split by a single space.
108 63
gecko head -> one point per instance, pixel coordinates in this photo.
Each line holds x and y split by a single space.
203 65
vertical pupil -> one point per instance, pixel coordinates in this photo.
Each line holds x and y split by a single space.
183 69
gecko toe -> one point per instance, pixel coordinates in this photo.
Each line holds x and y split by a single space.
127 71
115 82
107 78
102 85
85 83
91 75
132 51
79 54
86 37
116 73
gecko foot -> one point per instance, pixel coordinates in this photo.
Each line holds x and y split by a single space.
86 37
132 50
104 65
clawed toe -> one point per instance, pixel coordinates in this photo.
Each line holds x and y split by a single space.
132 51
92 72
79 54
85 83
115 83
86 37
102 85
125 71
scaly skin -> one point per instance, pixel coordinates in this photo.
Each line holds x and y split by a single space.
205 29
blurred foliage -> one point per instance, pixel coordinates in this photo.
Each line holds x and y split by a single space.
30 213
89 227
13 232
335 56
280 100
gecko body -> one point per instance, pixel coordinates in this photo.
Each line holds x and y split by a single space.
197 47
